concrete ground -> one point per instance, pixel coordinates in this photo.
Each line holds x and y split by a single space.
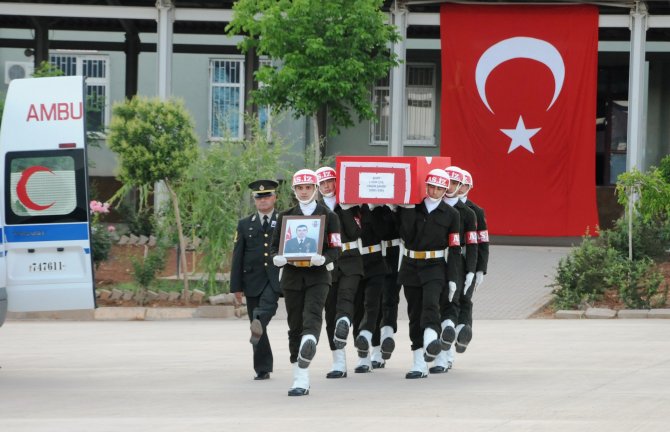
196 375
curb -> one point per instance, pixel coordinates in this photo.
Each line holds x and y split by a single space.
132 314
602 313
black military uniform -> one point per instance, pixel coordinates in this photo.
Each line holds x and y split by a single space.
253 273
466 262
306 288
391 292
372 284
426 236
346 276
465 312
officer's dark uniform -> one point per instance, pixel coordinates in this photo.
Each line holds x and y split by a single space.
347 272
423 277
253 273
306 288
465 313
465 263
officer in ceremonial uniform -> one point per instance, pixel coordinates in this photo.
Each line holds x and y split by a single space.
347 273
254 274
429 230
306 283
465 263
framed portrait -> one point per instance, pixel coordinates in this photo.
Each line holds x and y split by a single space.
302 237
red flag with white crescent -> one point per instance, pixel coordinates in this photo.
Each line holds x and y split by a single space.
519 111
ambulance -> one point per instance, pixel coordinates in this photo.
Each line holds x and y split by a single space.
45 248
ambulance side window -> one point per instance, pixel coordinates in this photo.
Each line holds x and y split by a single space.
46 186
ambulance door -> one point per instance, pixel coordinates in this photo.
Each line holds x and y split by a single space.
46 230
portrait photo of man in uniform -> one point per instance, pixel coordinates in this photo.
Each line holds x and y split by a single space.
301 243
302 236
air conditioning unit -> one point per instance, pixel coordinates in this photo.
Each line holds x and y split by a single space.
15 70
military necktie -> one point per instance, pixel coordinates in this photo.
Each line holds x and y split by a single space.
265 222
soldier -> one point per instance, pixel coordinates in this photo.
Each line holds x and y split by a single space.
305 283
372 284
391 293
464 327
429 230
465 264
253 274
346 274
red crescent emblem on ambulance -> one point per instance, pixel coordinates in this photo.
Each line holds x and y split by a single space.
22 192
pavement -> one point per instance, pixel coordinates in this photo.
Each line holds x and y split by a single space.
196 375
182 375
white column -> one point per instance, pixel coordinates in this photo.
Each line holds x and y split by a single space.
399 15
164 47
637 98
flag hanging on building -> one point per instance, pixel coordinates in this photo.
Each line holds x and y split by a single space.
519 113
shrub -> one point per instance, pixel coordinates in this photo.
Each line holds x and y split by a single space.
650 238
145 270
580 277
638 283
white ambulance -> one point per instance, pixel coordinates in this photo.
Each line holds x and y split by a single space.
45 253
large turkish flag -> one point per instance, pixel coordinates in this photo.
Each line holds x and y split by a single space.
519 113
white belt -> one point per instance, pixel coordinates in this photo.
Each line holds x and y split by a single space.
391 243
370 249
350 245
424 254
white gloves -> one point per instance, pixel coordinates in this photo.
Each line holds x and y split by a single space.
393 207
468 282
407 206
279 260
372 206
452 290
317 260
479 278
347 206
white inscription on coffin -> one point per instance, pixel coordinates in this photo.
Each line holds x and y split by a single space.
376 185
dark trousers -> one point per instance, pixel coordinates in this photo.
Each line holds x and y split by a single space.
423 308
264 308
359 311
372 287
340 303
452 309
390 300
465 303
304 309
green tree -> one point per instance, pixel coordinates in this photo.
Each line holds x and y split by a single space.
330 53
217 192
155 141
46 69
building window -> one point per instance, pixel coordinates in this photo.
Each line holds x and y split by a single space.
381 101
227 98
419 121
95 68
420 105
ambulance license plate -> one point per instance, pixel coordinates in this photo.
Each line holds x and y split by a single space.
47 266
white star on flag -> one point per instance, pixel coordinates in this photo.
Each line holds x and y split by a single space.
520 136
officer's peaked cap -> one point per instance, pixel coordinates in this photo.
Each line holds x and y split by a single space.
263 188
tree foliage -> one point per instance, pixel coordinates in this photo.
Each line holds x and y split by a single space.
217 192
330 53
155 141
